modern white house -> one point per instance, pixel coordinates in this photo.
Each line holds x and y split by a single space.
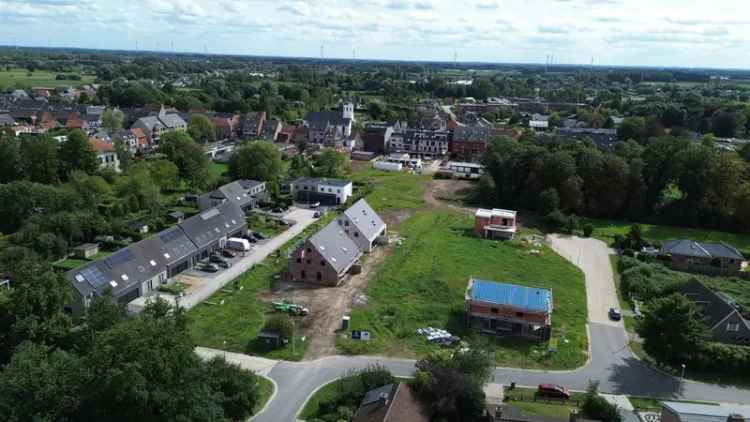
323 190
363 225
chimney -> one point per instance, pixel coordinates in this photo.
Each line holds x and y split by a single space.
735 417
573 415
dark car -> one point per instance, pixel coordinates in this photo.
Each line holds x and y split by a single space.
228 254
259 235
316 214
216 259
615 314
552 390
278 210
210 268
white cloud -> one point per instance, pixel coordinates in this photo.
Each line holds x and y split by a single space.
616 31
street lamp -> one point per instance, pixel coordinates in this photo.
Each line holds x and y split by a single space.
682 377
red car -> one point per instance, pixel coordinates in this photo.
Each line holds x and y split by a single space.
551 390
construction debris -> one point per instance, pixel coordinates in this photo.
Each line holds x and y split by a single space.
439 336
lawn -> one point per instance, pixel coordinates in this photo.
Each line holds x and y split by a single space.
266 391
607 229
386 191
242 315
422 284
530 403
327 392
39 78
218 169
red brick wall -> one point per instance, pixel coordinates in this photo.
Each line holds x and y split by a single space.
479 308
479 223
329 276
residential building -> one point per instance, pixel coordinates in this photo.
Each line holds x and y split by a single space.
105 152
508 309
252 125
726 319
696 412
363 225
689 255
142 267
326 126
86 250
286 134
377 137
425 143
7 120
325 258
154 126
271 130
391 403
495 223
245 193
227 126
471 137
323 190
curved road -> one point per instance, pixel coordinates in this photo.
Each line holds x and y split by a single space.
612 364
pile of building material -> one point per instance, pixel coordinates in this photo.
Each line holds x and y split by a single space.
440 336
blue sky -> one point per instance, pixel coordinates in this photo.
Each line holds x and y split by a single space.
690 33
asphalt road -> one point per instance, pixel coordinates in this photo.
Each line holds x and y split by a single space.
612 364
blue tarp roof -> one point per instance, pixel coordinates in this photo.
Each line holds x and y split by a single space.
529 298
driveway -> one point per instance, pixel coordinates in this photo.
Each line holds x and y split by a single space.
592 257
612 364
217 281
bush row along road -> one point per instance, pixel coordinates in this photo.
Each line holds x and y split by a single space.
612 363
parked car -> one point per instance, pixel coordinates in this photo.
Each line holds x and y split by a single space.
284 223
259 235
315 205
317 214
224 264
216 259
278 210
615 314
552 390
228 254
210 268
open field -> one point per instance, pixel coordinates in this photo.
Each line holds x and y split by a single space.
422 284
607 229
21 77
391 190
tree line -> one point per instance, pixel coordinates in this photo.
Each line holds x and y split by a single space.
664 179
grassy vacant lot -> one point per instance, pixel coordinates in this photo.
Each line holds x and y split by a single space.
422 284
239 320
529 403
387 191
607 229
21 77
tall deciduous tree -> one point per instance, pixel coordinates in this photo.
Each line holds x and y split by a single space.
39 160
77 154
112 120
331 163
259 160
201 128
188 156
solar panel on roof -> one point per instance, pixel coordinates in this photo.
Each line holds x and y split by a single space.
94 276
119 258
169 236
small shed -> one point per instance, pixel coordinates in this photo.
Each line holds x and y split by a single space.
139 225
271 338
176 216
86 250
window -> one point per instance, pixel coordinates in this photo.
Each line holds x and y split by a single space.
308 262
309 250
356 234
494 310
346 224
733 327
303 275
319 276
299 260
322 263
519 314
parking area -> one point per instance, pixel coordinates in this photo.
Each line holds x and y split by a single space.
202 284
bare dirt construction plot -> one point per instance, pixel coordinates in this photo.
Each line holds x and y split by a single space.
328 304
448 193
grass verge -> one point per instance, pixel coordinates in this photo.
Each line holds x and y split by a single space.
266 389
423 283
325 393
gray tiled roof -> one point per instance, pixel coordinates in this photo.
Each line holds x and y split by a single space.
236 193
686 247
213 224
172 120
367 221
712 306
322 118
695 412
336 247
6 119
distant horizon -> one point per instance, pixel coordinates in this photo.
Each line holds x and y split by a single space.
366 59
628 33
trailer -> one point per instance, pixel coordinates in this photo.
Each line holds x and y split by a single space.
387 166
238 244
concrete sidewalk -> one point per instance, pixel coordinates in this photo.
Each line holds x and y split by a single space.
260 366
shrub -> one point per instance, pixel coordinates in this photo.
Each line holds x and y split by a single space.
281 323
588 229
596 407
555 221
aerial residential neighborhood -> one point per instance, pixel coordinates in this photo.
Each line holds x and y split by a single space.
374 211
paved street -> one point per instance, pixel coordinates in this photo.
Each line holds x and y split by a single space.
611 363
